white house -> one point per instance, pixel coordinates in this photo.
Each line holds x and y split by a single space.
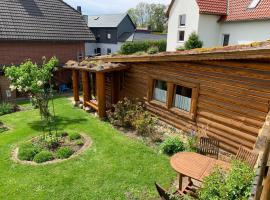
218 22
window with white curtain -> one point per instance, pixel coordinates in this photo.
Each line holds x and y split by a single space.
182 98
160 91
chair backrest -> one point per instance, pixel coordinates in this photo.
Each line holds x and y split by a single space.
162 193
209 147
247 156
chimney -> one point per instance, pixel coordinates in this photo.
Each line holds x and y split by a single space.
79 9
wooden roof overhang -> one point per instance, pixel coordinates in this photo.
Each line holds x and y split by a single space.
99 68
261 53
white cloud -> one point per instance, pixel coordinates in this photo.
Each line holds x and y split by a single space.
92 7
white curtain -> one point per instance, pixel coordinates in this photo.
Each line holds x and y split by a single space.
182 102
160 95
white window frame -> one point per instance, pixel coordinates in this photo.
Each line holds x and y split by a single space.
178 36
109 36
179 20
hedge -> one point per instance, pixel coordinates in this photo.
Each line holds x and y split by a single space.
133 47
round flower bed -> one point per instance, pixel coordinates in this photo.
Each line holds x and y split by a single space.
51 149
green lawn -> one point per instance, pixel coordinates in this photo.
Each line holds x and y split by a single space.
115 167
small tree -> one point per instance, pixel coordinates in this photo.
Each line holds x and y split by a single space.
193 42
35 81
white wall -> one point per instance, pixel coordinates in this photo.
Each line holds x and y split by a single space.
191 9
245 32
209 30
90 48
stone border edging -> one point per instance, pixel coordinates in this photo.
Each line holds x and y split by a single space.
88 143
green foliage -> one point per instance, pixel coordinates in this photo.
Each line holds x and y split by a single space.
192 144
61 134
6 108
235 184
153 50
74 136
64 152
133 47
172 145
193 42
43 156
79 142
27 151
145 124
35 81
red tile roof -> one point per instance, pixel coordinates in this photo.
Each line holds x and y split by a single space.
237 9
218 7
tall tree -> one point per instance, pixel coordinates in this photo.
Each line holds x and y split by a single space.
149 16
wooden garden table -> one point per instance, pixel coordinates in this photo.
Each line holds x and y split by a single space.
195 166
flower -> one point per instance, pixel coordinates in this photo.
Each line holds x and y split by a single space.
12 87
39 83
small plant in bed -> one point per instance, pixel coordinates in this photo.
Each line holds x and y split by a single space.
64 152
172 145
54 147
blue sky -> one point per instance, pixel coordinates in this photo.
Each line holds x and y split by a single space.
93 7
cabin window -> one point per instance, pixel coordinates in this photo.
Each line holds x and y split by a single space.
182 20
109 36
160 91
181 36
182 98
226 39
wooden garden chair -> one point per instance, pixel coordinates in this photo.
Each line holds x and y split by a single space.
209 147
247 156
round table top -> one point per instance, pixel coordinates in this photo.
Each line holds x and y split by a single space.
195 165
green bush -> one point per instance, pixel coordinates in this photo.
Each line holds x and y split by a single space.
64 152
172 145
6 108
153 50
74 136
80 142
27 151
193 42
192 144
133 47
228 185
145 124
52 143
43 156
61 134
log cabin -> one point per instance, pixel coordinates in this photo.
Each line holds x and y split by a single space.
223 91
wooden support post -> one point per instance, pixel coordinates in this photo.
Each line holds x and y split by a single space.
75 82
86 87
170 94
101 97
115 87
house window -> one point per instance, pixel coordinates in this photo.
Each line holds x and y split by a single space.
182 98
160 91
182 20
109 36
181 36
109 51
226 39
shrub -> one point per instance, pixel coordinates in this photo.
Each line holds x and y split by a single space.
79 143
153 50
61 134
172 145
145 124
74 136
193 42
6 108
192 144
133 47
43 156
64 152
233 184
27 152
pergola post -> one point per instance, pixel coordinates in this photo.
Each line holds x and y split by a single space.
86 87
101 96
75 83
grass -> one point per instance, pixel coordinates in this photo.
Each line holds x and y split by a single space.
115 167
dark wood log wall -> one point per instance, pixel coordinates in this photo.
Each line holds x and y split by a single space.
233 97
